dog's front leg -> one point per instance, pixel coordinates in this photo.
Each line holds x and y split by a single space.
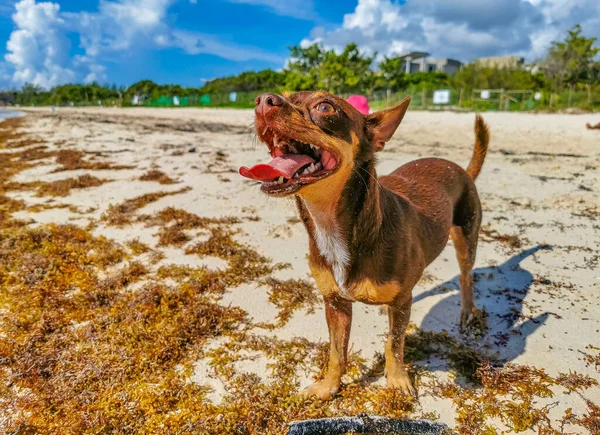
339 317
399 316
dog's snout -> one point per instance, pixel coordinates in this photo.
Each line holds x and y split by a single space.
267 102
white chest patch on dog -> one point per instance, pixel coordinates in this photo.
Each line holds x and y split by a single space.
333 248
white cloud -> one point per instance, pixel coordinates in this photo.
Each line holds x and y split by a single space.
136 13
196 43
138 24
303 9
38 48
370 16
462 29
96 72
119 25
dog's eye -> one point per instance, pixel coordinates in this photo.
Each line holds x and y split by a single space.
325 108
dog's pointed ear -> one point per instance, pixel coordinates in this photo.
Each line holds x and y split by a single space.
384 123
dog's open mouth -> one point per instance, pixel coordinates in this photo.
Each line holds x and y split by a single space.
294 165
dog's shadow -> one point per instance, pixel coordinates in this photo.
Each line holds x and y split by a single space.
501 291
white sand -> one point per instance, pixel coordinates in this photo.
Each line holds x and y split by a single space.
543 199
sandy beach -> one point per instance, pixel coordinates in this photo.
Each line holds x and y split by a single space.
537 272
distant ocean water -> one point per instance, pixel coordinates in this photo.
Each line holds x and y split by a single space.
8 114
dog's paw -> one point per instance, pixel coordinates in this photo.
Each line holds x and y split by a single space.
467 316
473 320
324 390
401 381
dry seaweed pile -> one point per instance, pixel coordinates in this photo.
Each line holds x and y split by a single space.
95 340
71 160
120 215
158 176
489 234
513 395
57 188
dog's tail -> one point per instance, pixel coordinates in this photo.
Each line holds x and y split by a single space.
482 138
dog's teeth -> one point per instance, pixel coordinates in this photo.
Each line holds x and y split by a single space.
280 181
318 165
305 172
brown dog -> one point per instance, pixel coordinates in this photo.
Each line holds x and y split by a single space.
370 238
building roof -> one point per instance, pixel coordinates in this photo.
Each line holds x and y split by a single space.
415 55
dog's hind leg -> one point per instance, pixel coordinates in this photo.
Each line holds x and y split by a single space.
466 247
399 316
465 234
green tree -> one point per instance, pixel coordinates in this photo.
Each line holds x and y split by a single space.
31 95
306 59
392 74
246 82
297 81
304 67
571 61
80 94
314 67
345 72
144 87
433 79
474 76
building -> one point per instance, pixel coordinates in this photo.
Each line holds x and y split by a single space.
418 61
501 62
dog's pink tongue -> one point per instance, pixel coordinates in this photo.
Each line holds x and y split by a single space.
283 166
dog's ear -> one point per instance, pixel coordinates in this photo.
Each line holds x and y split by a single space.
384 123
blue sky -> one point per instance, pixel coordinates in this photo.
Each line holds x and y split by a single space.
185 41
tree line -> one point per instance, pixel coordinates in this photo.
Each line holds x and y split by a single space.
572 63
91 94
568 63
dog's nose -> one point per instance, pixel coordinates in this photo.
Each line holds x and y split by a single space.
267 102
